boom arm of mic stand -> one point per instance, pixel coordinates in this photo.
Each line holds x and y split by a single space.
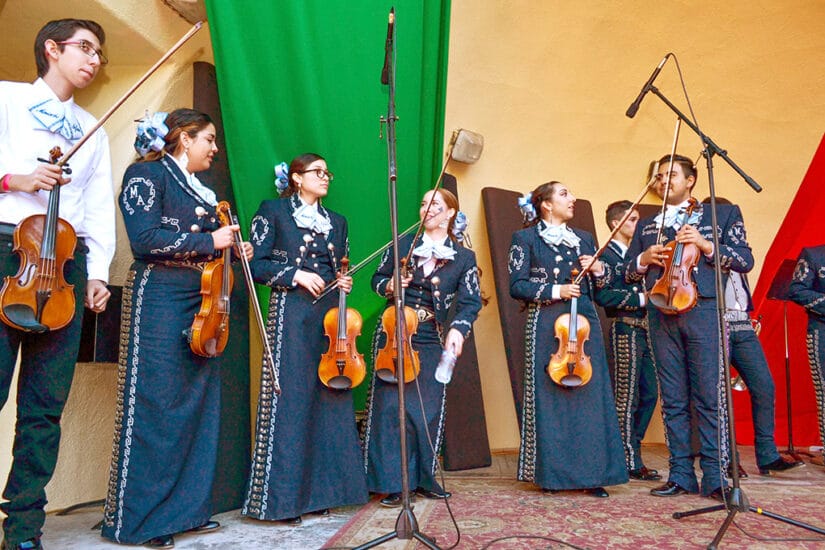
711 146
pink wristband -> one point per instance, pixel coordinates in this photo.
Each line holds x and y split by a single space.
4 183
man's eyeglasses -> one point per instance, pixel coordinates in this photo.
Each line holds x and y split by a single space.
320 173
87 48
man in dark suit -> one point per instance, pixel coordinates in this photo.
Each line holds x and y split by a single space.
634 373
808 290
686 342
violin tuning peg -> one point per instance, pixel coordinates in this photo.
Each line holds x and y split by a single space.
200 211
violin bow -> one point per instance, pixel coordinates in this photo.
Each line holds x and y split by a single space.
619 225
419 226
256 307
65 158
667 180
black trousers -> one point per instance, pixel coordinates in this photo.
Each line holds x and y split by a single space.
47 363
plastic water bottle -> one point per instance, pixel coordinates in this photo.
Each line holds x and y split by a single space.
444 371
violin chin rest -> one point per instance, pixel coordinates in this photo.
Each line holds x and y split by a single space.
386 375
571 380
23 317
340 382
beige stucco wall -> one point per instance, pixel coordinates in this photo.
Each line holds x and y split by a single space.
547 84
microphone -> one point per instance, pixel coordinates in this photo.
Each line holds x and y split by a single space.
385 71
631 111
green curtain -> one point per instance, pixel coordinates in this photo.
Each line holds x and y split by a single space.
299 76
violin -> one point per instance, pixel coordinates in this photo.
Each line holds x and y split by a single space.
342 367
570 367
675 292
38 299
210 328
386 360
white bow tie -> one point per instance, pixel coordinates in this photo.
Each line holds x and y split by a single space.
559 234
57 118
674 216
430 249
308 217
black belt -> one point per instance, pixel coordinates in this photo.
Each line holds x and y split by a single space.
640 322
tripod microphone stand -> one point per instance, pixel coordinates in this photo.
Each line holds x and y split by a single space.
779 291
406 526
736 500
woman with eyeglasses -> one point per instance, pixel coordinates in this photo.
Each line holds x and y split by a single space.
306 457
443 291
569 433
168 405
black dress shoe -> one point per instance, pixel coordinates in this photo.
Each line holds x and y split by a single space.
205 528
549 491
597 492
392 500
30 544
322 512
742 473
292 521
433 494
645 474
779 465
163 541
669 489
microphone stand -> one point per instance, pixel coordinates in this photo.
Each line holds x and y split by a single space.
738 501
406 526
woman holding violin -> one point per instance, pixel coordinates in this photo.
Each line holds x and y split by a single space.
685 338
443 298
168 409
570 433
306 457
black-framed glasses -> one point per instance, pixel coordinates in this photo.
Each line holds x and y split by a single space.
320 173
87 48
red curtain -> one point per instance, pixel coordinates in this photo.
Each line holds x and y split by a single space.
802 227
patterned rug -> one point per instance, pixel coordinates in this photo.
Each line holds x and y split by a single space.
499 514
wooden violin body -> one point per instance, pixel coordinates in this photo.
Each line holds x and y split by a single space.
342 367
386 360
38 298
210 328
675 291
570 367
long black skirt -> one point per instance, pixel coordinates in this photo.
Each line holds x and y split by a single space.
570 436
168 411
424 429
307 455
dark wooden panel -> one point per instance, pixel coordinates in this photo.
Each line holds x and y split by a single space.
465 431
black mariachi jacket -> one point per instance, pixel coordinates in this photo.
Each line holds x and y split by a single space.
536 266
161 214
735 252
619 296
807 287
281 247
458 284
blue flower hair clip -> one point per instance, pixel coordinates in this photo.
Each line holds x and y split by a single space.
150 133
281 176
460 228
525 203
